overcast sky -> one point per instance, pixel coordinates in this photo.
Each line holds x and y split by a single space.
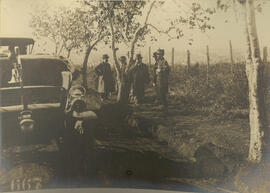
15 17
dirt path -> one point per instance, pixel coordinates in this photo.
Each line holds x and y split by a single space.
193 130
115 162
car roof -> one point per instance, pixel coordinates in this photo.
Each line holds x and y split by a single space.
38 57
6 41
41 59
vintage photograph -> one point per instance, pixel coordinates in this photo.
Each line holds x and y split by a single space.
169 95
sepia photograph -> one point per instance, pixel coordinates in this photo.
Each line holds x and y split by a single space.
134 96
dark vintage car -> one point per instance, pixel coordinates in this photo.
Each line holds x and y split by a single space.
8 47
38 103
35 104
25 44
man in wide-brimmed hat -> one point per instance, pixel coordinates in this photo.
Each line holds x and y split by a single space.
161 76
105 77
140 77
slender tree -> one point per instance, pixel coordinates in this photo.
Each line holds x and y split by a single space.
130 24
92 29
254 71
80 29
56 27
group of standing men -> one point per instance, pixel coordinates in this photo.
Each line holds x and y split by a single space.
137 77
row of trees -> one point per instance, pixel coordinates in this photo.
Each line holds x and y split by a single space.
128 24
115 23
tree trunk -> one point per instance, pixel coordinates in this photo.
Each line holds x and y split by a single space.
123 74
84 68
254 71
123 79
123 90
124 85
68 54
60 50
256 111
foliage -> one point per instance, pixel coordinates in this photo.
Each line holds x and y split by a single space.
124 16
225 97
56 26
132 20
129 24
227 4
226 94
80 28
68 28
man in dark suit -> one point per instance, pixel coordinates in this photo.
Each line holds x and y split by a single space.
140 77
105 78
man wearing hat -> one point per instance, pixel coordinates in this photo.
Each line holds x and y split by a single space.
155 56
105 78
123 63
161 76
140 77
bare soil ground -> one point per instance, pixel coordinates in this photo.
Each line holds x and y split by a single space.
188 146
208 151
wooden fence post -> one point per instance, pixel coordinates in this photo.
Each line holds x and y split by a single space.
265 55
172 57
231 55
188 61
149 57
208 64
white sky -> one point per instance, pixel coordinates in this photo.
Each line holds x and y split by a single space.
15 17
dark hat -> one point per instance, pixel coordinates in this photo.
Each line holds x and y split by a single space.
139 56
155 54
105 56
123 58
